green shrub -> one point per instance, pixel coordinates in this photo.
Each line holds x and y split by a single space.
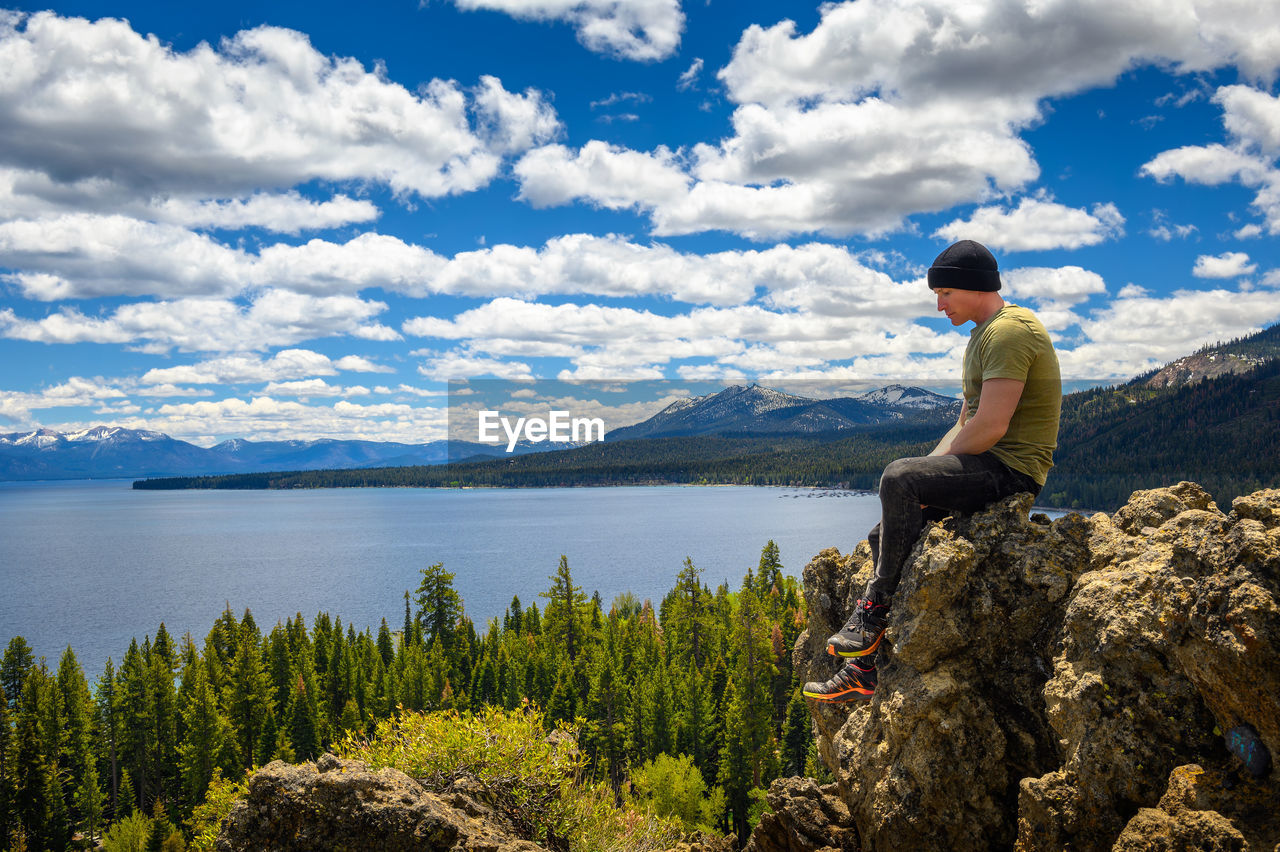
206 819
129 834
673 787
535 778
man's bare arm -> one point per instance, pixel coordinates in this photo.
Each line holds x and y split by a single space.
991 420
945 443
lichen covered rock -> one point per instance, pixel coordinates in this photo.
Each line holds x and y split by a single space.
1206 809
342 804
803 817
1041 682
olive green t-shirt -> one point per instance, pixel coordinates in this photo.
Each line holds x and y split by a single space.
1013 344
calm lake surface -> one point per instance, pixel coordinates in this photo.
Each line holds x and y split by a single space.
94 564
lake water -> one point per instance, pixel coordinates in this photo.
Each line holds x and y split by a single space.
94 564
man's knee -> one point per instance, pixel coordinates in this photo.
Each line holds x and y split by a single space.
897 473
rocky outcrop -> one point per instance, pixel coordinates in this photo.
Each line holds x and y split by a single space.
342 804
1050 686
803 817
1205 810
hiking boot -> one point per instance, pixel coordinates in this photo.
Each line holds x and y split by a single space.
862 635
856 681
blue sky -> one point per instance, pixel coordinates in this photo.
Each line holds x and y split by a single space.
299 221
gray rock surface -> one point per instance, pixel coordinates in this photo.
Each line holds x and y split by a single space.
336 804
803 817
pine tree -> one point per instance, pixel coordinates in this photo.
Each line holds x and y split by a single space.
89 802
161 828
15 665
409 637
685 618
279 665
128 797
350 721
386 647
109 733
532 620
303 731
515 615
247 626
208 742
37 796
415 689
769 576
605 706
164 708
250 699
693 730
562 621
484 690
6 770
137 722
510 678
754 675
796 736
164 648
658 735
224 637
76 754
563 706
735 767
270 740
439 606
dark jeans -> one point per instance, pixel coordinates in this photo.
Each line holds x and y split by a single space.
943 484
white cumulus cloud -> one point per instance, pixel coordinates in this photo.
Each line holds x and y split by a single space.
631 29
889 108
94 113
1251 118
1037 225
273 318
606 175
1067 285
1231 264
241 368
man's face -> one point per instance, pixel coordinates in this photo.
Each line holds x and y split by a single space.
960 306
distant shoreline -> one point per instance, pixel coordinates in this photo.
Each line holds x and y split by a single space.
831 490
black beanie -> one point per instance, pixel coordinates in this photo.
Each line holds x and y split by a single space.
965 265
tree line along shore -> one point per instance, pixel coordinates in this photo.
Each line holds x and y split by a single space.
685 711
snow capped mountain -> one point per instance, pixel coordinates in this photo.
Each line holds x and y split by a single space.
113 433
906 397
39 438
117 452
759 410
736 401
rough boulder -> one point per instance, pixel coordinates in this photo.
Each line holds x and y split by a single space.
342 804
1062 685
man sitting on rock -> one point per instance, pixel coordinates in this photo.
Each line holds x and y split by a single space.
1002 444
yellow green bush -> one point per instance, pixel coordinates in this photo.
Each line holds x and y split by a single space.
535 778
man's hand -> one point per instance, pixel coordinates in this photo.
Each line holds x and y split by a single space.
991 420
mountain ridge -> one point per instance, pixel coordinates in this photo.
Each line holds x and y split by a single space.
118 452
753 409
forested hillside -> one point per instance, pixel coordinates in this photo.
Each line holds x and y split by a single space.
1223 433
855 461
699 689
